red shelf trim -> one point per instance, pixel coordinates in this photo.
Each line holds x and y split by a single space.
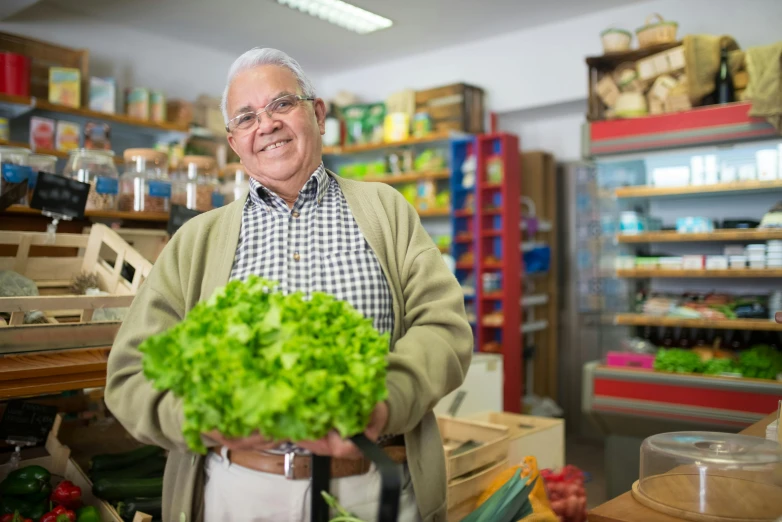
463 213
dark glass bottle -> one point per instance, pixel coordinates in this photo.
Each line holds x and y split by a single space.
724 91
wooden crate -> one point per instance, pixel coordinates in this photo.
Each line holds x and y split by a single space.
457 107
147 242
44 55
62 467
469 473
539 437
102 252
601 66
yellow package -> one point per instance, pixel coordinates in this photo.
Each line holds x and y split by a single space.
541 508
65 86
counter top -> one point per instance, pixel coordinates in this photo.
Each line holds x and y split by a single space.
624 508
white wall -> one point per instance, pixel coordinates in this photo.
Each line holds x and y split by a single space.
545 66
134 58
554 128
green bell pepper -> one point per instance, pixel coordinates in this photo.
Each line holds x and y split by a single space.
26 508
88 514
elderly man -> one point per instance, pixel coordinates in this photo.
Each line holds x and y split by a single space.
312 231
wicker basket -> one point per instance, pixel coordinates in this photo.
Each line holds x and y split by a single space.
626 78
615 40
656 33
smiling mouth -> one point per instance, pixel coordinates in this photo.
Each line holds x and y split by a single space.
275 145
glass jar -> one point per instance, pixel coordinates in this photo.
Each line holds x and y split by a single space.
235 182
14 171
97 168
195 185
144 186
39 163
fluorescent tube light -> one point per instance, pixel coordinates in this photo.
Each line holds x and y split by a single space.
340 13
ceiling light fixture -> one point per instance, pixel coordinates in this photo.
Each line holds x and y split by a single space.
340 13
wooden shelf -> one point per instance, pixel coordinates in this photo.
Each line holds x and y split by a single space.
354 149
160 217
753 234
463 239
43 105
463 213
435 212
738 274
410 177
698 190
464 266
765 325
44 373
493 296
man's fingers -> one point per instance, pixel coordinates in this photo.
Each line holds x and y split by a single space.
342 448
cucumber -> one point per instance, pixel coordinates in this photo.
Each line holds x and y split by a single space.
151 467
123 460
118 489
149 506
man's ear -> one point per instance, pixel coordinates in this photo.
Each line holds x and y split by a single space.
320 114
232 143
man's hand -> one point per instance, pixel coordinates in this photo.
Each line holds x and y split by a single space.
255 442
332 445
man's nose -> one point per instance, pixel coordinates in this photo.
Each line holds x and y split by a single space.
267 123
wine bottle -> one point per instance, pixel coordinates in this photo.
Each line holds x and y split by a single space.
724 90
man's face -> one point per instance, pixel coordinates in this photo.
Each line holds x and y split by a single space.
298 131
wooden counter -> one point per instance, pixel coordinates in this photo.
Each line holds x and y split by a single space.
624 508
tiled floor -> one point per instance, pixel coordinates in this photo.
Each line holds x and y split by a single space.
588 455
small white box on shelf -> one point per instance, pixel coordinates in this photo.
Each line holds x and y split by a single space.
748 172
734 250
767 161
711 172
716 262
671 263
739 262
671 176
728 173
697 171
693 262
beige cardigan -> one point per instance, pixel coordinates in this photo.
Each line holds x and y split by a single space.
432 339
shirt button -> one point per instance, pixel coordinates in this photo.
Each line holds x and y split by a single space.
296 256
295 213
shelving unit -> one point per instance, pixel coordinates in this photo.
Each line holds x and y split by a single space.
497 209
762 325
410 177
369 147
159 217
743 235
731 274
463 226
118 160
719 189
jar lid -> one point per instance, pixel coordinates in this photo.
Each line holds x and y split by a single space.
92 152
149 154
14 150
43 157
202 162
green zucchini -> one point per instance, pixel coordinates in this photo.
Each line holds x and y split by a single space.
150 467
149 506
123 460
118 489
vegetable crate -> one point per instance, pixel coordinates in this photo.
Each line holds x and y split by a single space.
539 437
59 463
475 453
53 265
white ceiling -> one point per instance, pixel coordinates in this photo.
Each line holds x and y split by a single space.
233 26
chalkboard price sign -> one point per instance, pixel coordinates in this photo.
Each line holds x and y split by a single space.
60 195
27 422
178 216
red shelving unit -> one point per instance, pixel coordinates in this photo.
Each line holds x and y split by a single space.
497 252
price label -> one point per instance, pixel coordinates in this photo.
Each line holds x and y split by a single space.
60 195
27 422
179 216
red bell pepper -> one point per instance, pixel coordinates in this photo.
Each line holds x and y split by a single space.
15 517
59 514
67 494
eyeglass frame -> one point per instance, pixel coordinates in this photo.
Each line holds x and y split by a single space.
298 97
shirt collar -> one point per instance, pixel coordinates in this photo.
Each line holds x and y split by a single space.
314 188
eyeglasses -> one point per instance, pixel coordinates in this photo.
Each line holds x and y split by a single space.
282 105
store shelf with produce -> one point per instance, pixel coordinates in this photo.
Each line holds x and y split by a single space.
709 401
719 189
498 188
435 212
764 325
711 125
28 375
746 273
369 147
410 177
741 235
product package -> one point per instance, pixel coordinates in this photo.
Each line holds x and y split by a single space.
41 133
157 106
137 103
97 136
103 95
67 137
65 86
5 133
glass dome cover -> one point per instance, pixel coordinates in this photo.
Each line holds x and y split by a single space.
707 476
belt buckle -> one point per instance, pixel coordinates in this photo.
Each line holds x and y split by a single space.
290 464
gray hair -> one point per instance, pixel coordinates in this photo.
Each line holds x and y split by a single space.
265 56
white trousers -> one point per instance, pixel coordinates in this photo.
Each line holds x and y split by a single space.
237 494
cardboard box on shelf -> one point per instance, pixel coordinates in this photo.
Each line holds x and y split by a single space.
179 111
103 95
607 90
42 133
206 113
457 107
65 86
68 136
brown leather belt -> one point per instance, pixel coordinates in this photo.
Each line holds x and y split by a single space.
298 467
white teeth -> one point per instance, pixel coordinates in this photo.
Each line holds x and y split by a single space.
275 145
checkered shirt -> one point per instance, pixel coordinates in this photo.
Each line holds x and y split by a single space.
314 246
